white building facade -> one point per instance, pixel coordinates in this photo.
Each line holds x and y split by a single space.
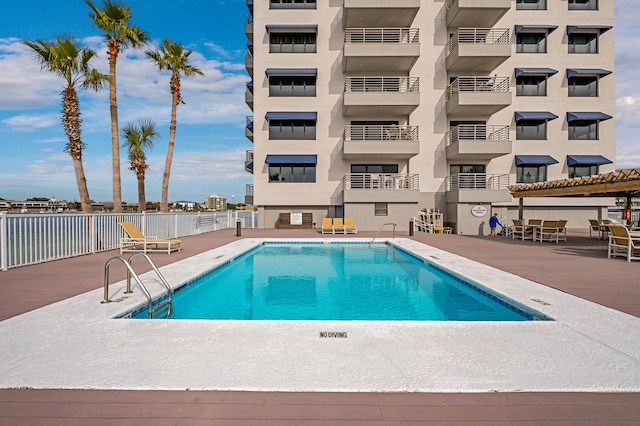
376 109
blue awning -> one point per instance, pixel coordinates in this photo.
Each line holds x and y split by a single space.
291 115
530 71
534 160
601 28
519 28
250 166
573 116
534 115
292 28
250 84
291 159
586 71
291 71
573 160
250 126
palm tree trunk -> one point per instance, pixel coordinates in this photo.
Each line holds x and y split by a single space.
85 200
164 202
115 141
142 200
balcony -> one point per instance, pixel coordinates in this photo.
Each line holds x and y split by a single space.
248 130
469 142
248 196
248 95
392 50
371 96
474 13
379 13
381 188
248 161
478 49
480 96
389 142
248 27
477 188
248 60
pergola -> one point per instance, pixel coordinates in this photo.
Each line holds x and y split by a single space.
621 183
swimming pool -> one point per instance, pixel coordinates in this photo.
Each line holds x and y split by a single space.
336 281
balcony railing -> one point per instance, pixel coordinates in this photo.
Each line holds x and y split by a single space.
478 84
477 132
381 133
380 181
477 181
382 35
382 84
479 36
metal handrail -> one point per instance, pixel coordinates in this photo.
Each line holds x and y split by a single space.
477 133
493 84
391 132
399 84
380 181
166 306
477 181
393 235
479 36
382 35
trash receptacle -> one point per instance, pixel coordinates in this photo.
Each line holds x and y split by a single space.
238 228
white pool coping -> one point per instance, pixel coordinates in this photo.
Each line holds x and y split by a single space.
76 344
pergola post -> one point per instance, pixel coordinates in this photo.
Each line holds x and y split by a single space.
521 208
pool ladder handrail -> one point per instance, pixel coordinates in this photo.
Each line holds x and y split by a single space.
380 229
164 307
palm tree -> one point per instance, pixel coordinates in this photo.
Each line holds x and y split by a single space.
138 138
172 57
113 20
65 58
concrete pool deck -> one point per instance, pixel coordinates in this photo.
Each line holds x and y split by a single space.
589 347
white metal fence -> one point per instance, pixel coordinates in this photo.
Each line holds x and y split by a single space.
27 239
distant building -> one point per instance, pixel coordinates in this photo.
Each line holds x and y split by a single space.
215 203
185 205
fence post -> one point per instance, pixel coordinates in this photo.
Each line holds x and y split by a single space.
175 225
4 256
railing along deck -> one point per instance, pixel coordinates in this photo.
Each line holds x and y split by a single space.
478 84
478 133
380 181
27 239
479 36
382 35
381 133
400 84
477 181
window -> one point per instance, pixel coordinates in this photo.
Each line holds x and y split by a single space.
531 42
381 209
292 172
292 42
531 85
531 130
583 4
289 129
583 42
531 4
583 130
531 173
292 4
583 170
583 86
282 85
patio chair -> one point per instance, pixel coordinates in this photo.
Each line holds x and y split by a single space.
327 225
562 230
350 226
521 231
549 231
136 241
338 226
594 226
621 243
438 227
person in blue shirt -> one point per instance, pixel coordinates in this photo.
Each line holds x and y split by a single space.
493 223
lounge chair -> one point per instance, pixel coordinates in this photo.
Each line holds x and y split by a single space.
438 227
521 231
562 230
594 227
621 243
350 226
136 241
327 225
338 226
549 231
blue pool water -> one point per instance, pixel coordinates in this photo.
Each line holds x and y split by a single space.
315 281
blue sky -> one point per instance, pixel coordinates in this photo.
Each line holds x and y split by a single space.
210 142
